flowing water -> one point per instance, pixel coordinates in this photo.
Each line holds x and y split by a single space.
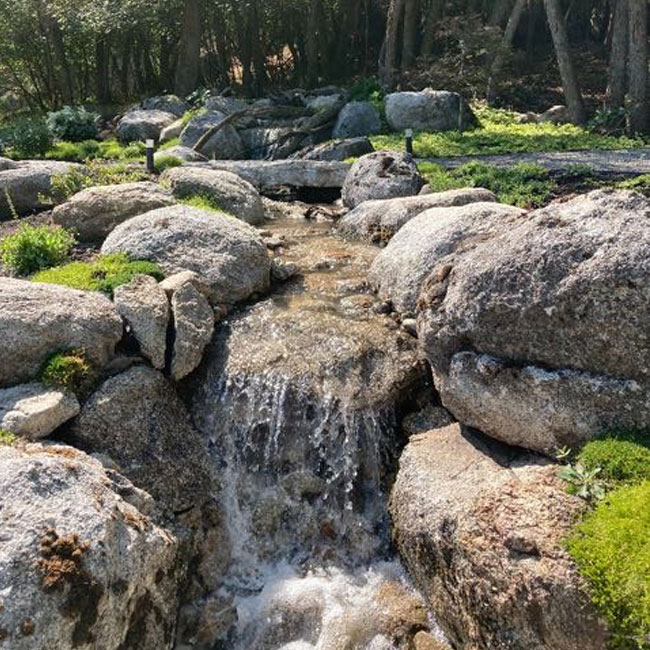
300 400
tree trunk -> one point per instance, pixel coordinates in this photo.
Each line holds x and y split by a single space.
638 66
499 12
411 29
506 43
572 93
187 68
102 79
615 95
388 70
433 16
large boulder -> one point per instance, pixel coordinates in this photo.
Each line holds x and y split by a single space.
481 529
231 193
293 173
144 306
229 254
34 411
29 185
357 119
429 110
139 422
378 221
39 319
223 145
336 150
381 175
431 241
178 151
7 163
140 125
555 310
83 563
166 103
94 212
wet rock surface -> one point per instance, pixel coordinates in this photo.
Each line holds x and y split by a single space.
481 527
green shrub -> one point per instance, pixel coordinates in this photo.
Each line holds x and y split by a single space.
167 162
103 274
188 116
68 370
28 138
74 151
32 248
621 458
611 548
73 124
524 185
7 438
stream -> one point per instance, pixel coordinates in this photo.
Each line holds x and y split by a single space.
300 398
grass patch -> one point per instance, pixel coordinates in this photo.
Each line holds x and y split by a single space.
69 371
63 186
104 274
638 183
500 133
523 185
167 162
611 548
32 248
174 142
7 438
95 150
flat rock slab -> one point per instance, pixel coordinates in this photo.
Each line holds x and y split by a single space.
294 173
33 411
628 162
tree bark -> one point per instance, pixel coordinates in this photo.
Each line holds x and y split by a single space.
615 96
506 43
102 79
638 66
187 68
433 16
411 29
575 105
389 67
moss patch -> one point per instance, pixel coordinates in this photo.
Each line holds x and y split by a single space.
105 274
7 438
167 162
623 458
611 548
68 370
201 201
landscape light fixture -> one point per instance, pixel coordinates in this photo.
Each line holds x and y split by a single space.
150 151
408 134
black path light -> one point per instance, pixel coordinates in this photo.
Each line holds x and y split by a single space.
408 134
150 151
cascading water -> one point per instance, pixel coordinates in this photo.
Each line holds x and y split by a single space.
299 400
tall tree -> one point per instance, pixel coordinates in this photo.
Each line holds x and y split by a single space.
189 53
638 66
388 66
615 95
572 93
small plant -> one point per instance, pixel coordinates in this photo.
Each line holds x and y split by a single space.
612 552
188 116
584 483
7 438
609 121
167 162
73 124
28 138
68 370
32 248
105 274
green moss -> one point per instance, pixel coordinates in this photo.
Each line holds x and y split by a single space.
7 438
201 201
174 142
611 548
32 248
524 185
638 183
622 458
167 162
68 370
105 274
500 132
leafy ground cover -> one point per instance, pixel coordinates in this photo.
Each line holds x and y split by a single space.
501 133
